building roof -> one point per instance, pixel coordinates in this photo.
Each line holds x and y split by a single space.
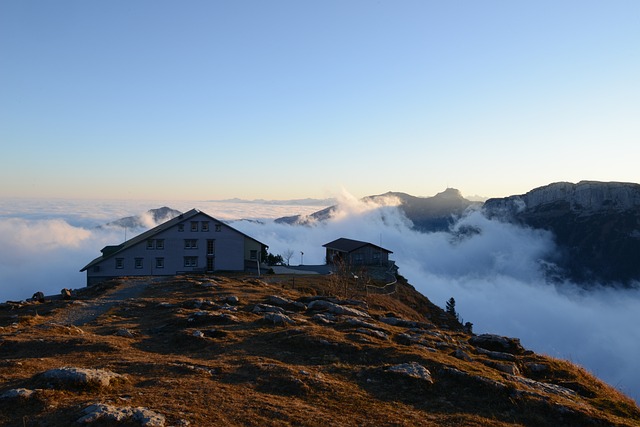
109 251
349 245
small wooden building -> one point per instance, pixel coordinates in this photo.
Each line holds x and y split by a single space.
354 252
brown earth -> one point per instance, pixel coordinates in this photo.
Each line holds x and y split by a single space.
197 357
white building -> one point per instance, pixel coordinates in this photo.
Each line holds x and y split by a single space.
193 242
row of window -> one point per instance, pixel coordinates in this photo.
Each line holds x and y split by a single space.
188 244
189 261
155 244
200 226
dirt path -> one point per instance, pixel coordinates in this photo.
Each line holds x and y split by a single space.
85 311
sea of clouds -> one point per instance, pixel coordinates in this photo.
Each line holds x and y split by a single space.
495 273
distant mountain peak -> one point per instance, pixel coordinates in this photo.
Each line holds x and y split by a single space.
434 213
149 219
450 193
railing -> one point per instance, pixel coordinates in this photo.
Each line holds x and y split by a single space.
388 288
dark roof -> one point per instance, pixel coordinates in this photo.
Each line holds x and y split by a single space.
349 245
109 251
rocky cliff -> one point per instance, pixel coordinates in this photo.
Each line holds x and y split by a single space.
584 198
596 226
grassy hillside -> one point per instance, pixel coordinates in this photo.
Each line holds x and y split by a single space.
208 350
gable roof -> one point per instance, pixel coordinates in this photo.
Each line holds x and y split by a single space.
109 251
349 245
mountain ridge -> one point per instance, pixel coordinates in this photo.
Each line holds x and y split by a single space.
435 213
596 225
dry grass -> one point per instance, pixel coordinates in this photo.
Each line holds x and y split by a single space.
249 372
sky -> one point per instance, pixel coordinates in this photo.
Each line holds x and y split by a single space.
283 99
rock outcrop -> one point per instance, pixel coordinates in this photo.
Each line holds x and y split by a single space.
596 226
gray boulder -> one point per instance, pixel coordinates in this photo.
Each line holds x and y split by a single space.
278 319
412 370
321 305
81 377
100 412
497 343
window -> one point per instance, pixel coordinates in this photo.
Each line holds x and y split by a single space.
218 227
191 261
204 226
191 243
159 262
157 244
211 247
119 262
194 225
138 263
253 254
180 227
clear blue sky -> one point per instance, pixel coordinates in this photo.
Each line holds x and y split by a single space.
286 99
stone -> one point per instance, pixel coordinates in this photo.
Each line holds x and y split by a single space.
373 333
497 354
65 293
201 317
497 343
286 303
38 297
278 319
81 377
266 308
232 300
460 354
320 305
108 413
412 370
537 368
546 387
507 368
324 318
22 393
396 321
123 332
362 324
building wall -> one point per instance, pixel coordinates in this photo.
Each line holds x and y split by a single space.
366 255
169 245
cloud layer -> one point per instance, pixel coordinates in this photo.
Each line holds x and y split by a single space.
492 269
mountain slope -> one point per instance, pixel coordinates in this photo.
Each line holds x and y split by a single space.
242 351
435 213
596 226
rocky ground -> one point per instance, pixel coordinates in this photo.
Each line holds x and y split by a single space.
277 350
